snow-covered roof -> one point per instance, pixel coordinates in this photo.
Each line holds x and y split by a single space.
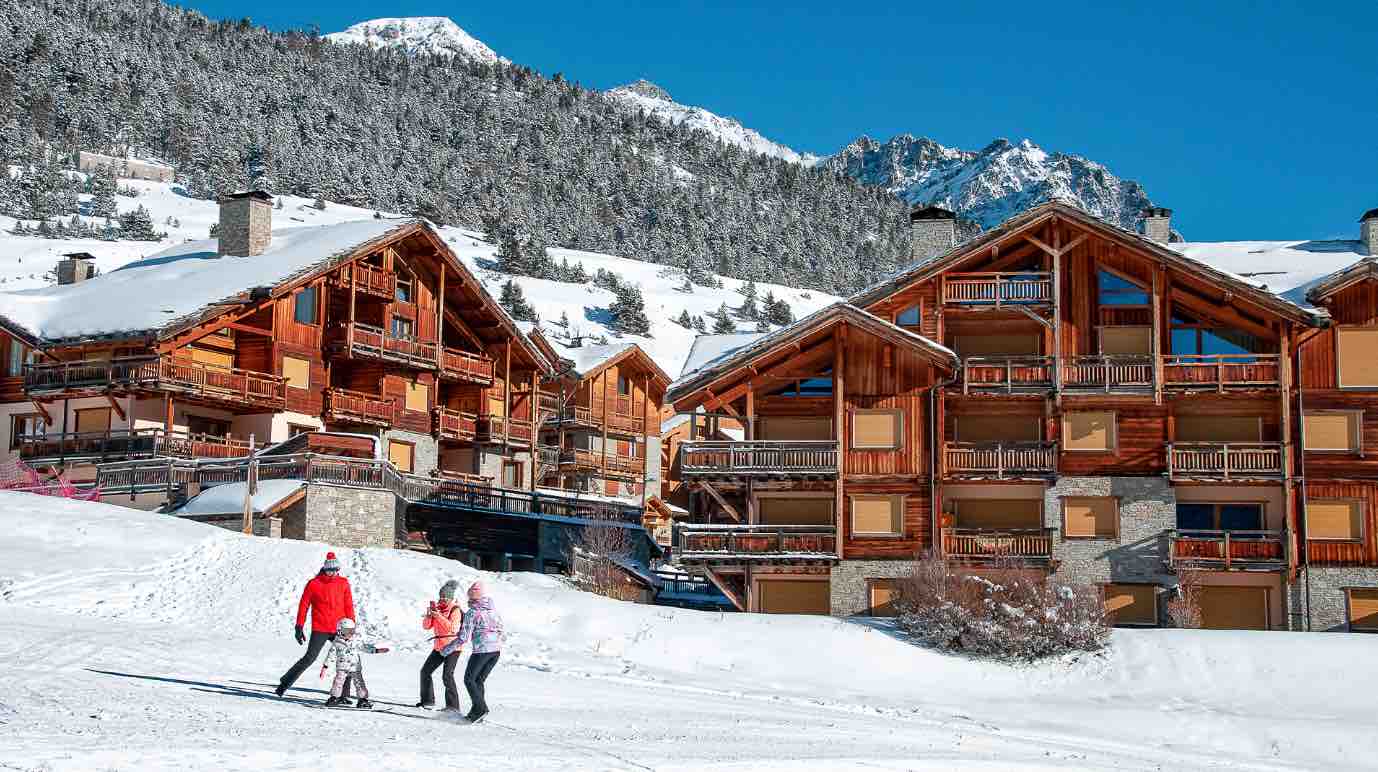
582 496
229 498
588 358
707 349
1284 268
152 293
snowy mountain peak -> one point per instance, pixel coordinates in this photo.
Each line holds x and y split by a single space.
647 89
418 36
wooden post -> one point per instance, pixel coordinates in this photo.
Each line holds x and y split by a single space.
1288 484
535 421
250 488
167 415
440 333
1057 314
353 284
1157 342
603 395
506 390
840 432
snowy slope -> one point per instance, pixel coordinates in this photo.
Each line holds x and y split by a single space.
135 640
418 35
654 100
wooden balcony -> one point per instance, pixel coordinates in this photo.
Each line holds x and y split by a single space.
198 381
456 365
1224 460
1221 372
124 444
91 375
998 544
578 415
366 280
612 464
1227 550
209 383
1007 375
369 342
1108 373
454 425
463 477
749 543
759 458
497 429
999 460
355 407
998 290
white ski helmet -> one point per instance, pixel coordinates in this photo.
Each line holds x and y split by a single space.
343 625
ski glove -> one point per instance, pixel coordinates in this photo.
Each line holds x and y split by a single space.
301 637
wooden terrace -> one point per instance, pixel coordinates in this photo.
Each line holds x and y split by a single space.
457 365
998 290
454 424
123 444
706 544
1225 460
1227 550
759 458
356 407
196 381
999 460
1120 374
497 429
356 339
366 280
611 465
998 544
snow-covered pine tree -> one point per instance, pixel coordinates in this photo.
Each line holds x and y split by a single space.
722 321
137 225
103 186
514 300
684 320
699 325
778 312
564 320
629 311
748 309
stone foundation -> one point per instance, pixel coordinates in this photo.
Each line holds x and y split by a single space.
848 583
1329 604
345 517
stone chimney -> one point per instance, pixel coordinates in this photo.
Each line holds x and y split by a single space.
934 231
1368 231
246 223
1158 224
76 267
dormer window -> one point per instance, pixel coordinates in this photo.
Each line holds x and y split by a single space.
909 317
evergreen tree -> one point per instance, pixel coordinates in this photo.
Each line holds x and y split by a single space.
103 186
564 320
514 301
748 308
629 311
722 322
777 311
699 326
684 320
137 225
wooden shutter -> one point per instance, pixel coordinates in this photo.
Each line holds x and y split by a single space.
1219 428
1357 364
207 356
418 397
94 419
1020 344
884 593
1363 610
996 514
880 429
1334 519
1090 517
401 454
1126 340
804 510
1088 431
795 428
877 515
1332 430
1132 604
782 596
1005 428
297 371
1234 608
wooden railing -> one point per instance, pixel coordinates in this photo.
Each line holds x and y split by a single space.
759 457
222 384
1338 553
349 406
1000 459
593 459
1007 373
464 477
1220 372
87 373
548 455
1020 543
1108 372
621 421
128 443
1224 460
998 289
455 425
464 366
1226 549
494 428
754 541
368 279
361 339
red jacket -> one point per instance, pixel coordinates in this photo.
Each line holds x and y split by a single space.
329 599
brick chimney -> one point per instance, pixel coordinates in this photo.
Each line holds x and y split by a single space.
1158 224
934 231
76 267
1368 231
246 223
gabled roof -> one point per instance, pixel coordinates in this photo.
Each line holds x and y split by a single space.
585 362
1035 217
1328 285
1287 268
838 312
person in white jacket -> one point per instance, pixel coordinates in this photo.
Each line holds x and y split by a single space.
345 653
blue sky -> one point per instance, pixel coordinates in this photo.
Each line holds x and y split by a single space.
1250 120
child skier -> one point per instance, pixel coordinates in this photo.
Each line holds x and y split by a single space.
349 666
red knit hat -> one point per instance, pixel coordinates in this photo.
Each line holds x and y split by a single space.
331 564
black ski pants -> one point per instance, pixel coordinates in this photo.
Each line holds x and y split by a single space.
447 676
475 673
313 650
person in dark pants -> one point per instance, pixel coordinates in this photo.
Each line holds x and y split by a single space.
482 626
443 619
329 599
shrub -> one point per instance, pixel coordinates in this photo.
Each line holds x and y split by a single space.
1185 608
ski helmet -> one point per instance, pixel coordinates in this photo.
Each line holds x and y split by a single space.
448 590
345 624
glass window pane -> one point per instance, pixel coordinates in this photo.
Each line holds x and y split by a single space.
305 311
1115 291
1195 517
909 317
1241 517
1184 342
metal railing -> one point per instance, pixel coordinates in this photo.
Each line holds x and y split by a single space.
349 406
1108 372
1227 548
1007 373
759 457
998 289
751 541
462 365
1000 459
1224 460
128 443
1221 372
998 542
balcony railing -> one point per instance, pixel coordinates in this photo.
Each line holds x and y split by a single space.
1220 372
991 543
367 279
1000 460
748 542
1224 460
595 460
459 365
195 379
997 290
126 444
1030 373
495 428
584 416
356 407
455 425
1226 549
365 340
127 372
759 458
1108 373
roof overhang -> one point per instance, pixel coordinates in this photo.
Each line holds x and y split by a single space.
1343 279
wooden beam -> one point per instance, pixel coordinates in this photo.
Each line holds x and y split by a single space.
789 368
464 330
43 411
114 405
1030 313
840 432
1056 258
1220 313
167 413
1056 250
440 331
722 502
507 393
1285 407
1157 342
724 588
249 328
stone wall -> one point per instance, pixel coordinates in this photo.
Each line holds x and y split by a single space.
1329 604
267 527
848 582
246 226
426 449
348 517
932 237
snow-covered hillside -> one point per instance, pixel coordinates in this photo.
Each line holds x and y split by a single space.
135 640
654 100
419 35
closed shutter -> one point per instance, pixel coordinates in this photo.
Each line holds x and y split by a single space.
1126 340
878 429
1363 610
1357 364
1088 431
1219 428
1132 604
418 397
297 371
781 596
884 593
401 454
877 515
996 514
1335 519
1090 517
1005 428
811 510
1234 608
96 419
211 357
1332 430
795 428
998 345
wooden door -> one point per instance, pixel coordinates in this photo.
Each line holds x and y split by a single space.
794 596
1234 608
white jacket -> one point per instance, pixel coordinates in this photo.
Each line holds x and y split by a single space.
344 653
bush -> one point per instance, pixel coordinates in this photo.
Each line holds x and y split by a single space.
1005 613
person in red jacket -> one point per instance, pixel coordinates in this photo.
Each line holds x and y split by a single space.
329 599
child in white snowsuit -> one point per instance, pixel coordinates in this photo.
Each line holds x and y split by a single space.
349 666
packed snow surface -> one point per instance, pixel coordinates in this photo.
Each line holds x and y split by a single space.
418 35
140 641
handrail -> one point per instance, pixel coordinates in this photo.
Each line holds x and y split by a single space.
716 541
367 339
459 364
169 371
1020 288
998 542
1001 458
367 278
1221 372
347 404
455 424
1224 459
1226 546
152 441
1108 372
764 457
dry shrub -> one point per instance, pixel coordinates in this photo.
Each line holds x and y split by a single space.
1185 608
1008 612
597 554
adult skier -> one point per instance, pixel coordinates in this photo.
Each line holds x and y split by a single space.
329 599
443 619
483 627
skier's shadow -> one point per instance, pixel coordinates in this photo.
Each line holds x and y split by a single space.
236 691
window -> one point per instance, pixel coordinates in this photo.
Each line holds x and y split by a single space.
909 317
877 515
25 425
93 420
1005 428
1332 430
512 474
1090 517
1358 367
998 514
624 386
1223 516
1334 520
15 367
1363 609
305 309
404 286
1114 290
1088 431
820 386
883 594
1218 428
211 427
418 397
297 371
1132 604
877 429
403 328
1189 338
402 455
801 510
1126 340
